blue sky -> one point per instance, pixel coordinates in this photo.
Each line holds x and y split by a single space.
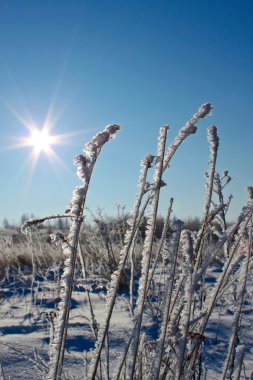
140 64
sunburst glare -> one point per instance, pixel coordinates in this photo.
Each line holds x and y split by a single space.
41 140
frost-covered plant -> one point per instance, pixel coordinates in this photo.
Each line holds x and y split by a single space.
228 267
170 253
160 248
219 184
214 144
184 324
103 231
183 300
239 301
187 130
148 243
117 275
85 164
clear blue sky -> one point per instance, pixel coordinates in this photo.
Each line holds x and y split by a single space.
136 63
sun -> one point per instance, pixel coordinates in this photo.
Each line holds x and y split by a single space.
40 140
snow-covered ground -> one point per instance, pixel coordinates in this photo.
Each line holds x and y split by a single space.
25 330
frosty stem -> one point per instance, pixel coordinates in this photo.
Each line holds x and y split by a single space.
214 144
116 276
85 165
240 296
148 243
217 289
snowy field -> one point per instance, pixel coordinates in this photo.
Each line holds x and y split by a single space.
28 307
26 317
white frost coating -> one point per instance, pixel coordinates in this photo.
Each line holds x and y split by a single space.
213 138
250 191
231 262
218 186
239 304
116 276
186 131
144 186
238 362
211 299
215 211
226 237
183 327
150 221
170 248
83 170
148 243
57 237
214 144
169 257
32 224
85 164
90 282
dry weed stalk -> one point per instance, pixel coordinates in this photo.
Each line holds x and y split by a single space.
85 165
148 243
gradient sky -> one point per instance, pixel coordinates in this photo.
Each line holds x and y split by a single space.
140 64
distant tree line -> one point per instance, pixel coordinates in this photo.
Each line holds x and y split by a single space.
106 224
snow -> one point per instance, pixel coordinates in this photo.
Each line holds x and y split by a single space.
25 327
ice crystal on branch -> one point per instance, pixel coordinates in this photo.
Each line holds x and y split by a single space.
213 137
85 162
92 147
187 130
250 192
204 110
82 168
57 238
29 225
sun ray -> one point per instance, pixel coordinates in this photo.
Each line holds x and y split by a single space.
41 139
30 164
27 123
54 158
51 109
20 142
65 138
